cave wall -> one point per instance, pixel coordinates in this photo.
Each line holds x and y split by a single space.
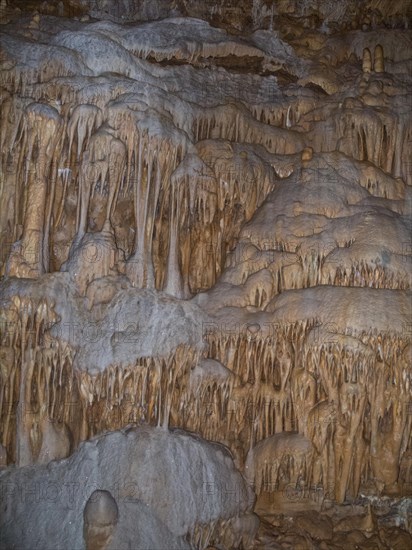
205 220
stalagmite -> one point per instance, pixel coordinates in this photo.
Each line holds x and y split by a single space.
307 154
367 61
101 516
378 62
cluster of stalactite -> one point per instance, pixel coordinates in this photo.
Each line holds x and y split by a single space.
38 389
366 125
255 398
229 533
370 276
47 407
166 186
363 412
125 166
145 393
350 406
257 275
116 171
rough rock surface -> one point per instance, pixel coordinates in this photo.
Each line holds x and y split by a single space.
205 224
175 480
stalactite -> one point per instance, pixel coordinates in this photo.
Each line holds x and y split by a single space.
173 283
42 127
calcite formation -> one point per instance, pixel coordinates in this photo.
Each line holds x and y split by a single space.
169 485
205 223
